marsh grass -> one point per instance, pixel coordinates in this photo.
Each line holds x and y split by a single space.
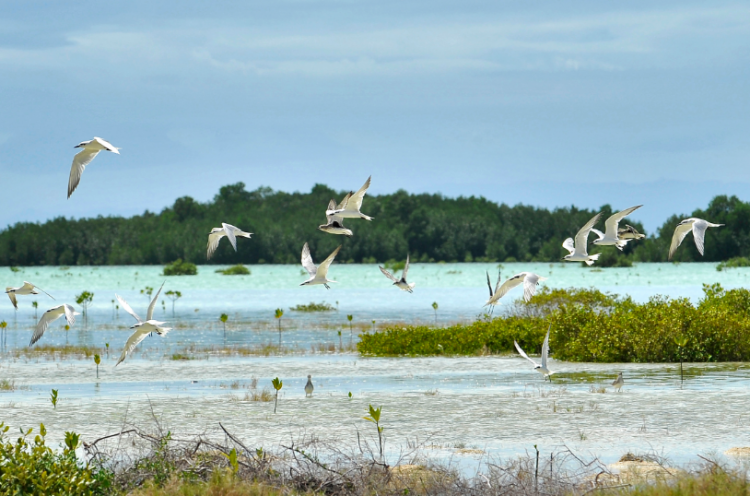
264 396
598 389
53 352
7 385
314 307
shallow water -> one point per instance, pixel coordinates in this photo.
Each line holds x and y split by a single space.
496 404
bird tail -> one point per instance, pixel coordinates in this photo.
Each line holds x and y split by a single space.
621 243
592 259
364 216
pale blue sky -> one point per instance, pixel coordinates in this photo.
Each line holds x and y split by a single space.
545 103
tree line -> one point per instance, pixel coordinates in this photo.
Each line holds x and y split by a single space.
430 227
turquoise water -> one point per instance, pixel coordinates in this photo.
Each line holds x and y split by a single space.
495 404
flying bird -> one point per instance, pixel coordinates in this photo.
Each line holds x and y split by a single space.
26 289
142 328
611 236
217 233
542 369
351 204
309 388
317 274
698 226
578 251
52 315
529 280
629 232
619 382
400 283
335 224
83 158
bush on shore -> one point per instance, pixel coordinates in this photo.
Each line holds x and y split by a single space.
590 326
180 268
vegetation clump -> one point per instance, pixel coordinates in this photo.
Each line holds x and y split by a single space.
235 270
180 268
313 307
733 263
590 326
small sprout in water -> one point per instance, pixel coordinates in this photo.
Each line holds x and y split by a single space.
97 361
223 318
374 417
53 398
277 385
350 395
278 313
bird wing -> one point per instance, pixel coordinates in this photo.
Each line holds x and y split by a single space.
135 338
48 317
40 289
213 243
307 261
12 297
127 308
599 234
387 274
229 229
150 311
569 245
106 144
330 216
323 267
70 314
582 238
508 285
355 201
80 161
27 286
529 285
699 233
489 284
545 348
406 268
612 223
682 229
523 354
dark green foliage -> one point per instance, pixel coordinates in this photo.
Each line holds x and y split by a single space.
180 268
313 307
589 326
32 468
235 270
733 263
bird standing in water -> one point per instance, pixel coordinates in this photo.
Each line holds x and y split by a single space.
309 388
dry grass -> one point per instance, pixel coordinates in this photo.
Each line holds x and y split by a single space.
53 352
221 483
6 385
264 396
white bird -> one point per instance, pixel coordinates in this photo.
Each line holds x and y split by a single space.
52 315
309 388
542 369
698 226
142 328
578 251
83 158
335 224
629 232
352 203
611 236
26 289
317 274
217 233
619 382
529 280
400 283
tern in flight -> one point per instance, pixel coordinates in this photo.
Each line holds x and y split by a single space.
83 158
335 224
317 274
52 315
400 283
26 289
698 226
529 280
542 369
578 251
142 328
351 204
217 233
611 236
629 232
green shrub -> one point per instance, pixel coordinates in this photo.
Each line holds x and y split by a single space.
313 307
32 468
180 268
733 263
236 270
612 257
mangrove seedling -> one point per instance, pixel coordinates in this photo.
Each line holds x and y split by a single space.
341 346
350 395
680 341
107 345
174 296
72 441
435 307
277 384
278 314
97 361
3 325
67 328
53 398
113 309
35 304
147 292
374 417
84 299
232 458
223 318
351 333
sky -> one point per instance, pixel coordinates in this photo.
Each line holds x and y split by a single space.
544 103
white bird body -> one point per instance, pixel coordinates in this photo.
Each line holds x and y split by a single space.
578 250
352 203
698 226
52 315
611 235
335 224
529 280
83 158
309 388
619 382
26 289
318 275
217 233
143 328
400 283
541 368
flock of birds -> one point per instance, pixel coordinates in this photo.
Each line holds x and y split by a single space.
350 208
